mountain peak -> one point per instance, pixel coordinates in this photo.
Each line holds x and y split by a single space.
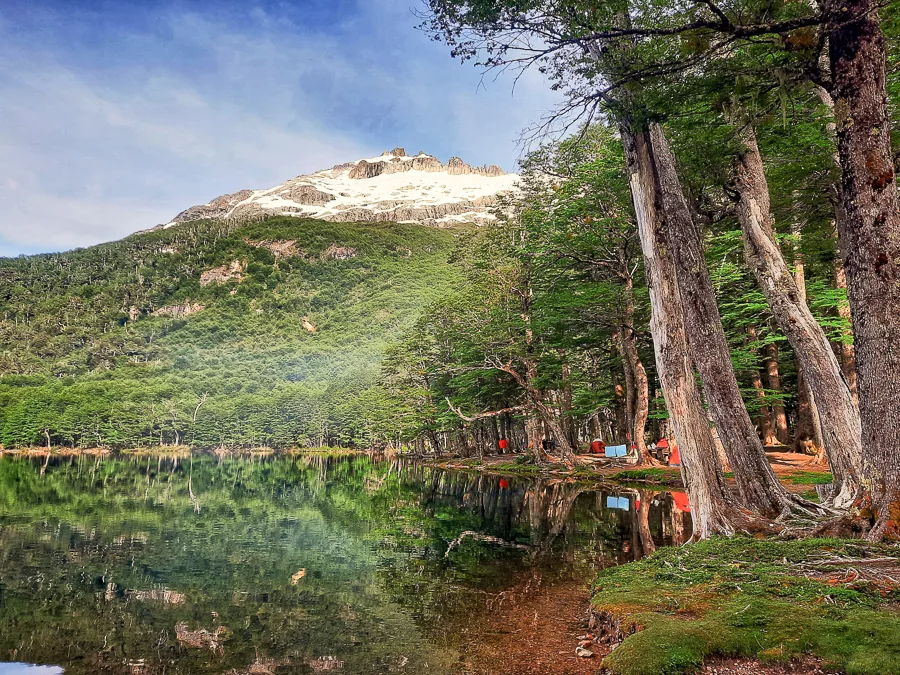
391 187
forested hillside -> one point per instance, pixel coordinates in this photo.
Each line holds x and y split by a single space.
212 334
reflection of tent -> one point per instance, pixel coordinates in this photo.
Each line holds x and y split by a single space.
613 451
614 502
682 503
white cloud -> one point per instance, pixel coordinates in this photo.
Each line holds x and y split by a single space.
94 149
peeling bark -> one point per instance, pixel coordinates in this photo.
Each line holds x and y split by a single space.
839 416
713 509
870 242
758 486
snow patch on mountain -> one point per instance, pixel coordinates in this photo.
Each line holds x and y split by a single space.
392 187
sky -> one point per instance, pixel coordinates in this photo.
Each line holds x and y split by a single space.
117 115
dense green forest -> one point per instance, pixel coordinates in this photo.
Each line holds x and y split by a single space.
747 181
129 344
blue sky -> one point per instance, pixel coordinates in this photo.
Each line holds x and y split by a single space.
115 115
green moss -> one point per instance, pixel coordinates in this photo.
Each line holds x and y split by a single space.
744 597
811 478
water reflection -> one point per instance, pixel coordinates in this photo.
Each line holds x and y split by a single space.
293 565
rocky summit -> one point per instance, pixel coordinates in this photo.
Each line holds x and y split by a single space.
392 187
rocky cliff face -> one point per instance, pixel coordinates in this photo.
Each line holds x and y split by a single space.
393 187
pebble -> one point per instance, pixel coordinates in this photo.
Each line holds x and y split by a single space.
584 653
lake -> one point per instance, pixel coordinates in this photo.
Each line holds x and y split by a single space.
306 564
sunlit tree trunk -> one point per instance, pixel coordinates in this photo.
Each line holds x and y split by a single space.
713 508
757 484
839 416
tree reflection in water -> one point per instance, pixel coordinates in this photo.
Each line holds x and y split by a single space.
150 565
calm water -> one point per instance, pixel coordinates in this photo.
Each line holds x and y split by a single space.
292 565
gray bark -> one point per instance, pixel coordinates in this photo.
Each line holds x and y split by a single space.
839 416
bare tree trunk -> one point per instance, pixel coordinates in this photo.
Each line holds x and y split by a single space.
713 509
628 376
763 418
815 419
839 415
845 350
757 484
620 403
870 242
640 384
773 383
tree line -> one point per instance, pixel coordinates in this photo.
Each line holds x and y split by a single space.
770 118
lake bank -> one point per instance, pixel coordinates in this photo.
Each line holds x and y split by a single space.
813 605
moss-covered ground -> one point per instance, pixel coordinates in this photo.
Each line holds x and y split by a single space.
770 600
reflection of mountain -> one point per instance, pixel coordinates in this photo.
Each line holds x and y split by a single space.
95 545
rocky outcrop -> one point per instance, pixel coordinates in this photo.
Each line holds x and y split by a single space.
335 252
223 274
279 249
217 208
307 194
365 169
392 187
179 311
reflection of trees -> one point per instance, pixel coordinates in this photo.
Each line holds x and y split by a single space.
372 534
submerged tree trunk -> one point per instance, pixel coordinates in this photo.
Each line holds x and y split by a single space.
839 415
758 486
712 508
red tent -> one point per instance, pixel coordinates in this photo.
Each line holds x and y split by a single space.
682 503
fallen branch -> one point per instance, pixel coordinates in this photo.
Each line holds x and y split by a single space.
478 536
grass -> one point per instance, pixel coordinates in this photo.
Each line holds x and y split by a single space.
746 597
811 478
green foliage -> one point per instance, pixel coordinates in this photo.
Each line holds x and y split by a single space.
88 356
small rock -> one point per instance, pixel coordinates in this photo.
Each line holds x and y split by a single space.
586 643
584 653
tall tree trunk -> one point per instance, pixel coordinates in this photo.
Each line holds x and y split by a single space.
620 403
870 242
713 509
641 406
763 418
628 376
845 350
773 383
839 415
757 484
815 419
